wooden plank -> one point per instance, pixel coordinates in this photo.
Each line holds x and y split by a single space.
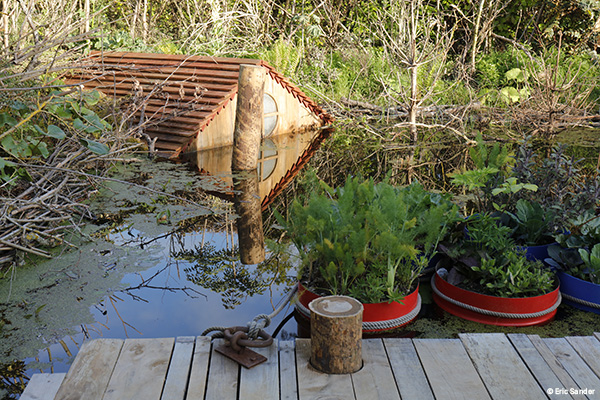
262 381
141 369
597 334
588 348
179 369
222 382
200 360
313 384
287 370
440 358
503 372
575 366
91 370
555 365
375 380
408 371
539 367
42 386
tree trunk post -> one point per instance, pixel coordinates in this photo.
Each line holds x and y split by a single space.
249 223
249 118
336 334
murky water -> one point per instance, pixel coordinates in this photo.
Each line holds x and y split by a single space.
170 267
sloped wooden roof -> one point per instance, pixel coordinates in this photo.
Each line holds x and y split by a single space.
177 95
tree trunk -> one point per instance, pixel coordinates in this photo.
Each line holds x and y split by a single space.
86 13
476 35
5 27
145 22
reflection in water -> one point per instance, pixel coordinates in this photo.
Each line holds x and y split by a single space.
281 157
221 272
141 278
249 222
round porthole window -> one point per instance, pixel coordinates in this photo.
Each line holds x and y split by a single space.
267 159
270 114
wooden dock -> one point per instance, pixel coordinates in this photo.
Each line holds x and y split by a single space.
474 367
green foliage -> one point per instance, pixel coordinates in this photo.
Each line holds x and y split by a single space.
581 263
284 56
564 187
491 176
33 125
533 225
582 231
488 258
367 240
512 275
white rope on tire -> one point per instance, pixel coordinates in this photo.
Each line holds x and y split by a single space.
580 301
376 325
494 313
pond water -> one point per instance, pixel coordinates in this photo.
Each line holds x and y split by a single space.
160 266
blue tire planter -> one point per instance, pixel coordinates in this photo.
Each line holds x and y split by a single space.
579 293
533 253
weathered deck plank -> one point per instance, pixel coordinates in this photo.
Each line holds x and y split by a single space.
440 358
96 358
179 369
199 372
476 366
553 362
588 348
375 380
141 369
262 381
197 384
539 367
223 375
42 386
577 368
314 385
408 371
287 370
503 372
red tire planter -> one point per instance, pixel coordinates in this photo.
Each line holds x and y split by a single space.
377 317
578 293
544 306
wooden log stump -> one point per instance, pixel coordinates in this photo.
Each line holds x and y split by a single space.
336 334
249 117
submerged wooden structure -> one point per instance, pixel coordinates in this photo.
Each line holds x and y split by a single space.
188 103
475 366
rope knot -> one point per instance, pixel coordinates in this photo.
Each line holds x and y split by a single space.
259 322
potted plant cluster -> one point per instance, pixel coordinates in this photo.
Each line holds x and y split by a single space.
533 196
368 241
486 278
577 262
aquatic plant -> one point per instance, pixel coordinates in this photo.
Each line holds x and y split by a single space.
367 240
489 261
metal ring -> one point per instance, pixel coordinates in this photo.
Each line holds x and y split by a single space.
230 335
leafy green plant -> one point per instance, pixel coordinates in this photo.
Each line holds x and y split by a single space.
582 231
491 177
370 241
532 224
581 263
518 91
490 263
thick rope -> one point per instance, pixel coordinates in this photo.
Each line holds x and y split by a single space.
376 325
494 313
580 301
259 322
